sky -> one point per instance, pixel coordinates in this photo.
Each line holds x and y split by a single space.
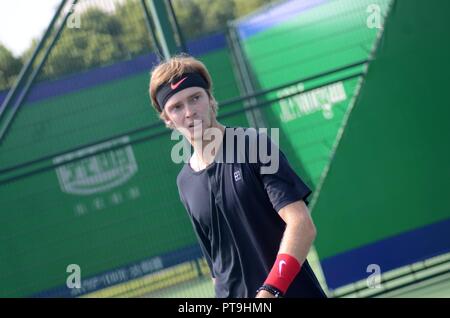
23 20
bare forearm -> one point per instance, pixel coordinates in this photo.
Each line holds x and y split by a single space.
300 231
297 240
298 237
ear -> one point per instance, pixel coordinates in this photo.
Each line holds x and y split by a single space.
211 103
167 121
169 124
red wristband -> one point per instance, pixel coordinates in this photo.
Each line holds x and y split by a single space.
283 272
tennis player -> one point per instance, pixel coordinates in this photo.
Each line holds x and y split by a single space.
249 213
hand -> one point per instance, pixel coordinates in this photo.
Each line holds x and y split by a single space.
264 294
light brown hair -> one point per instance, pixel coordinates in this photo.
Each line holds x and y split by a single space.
175 67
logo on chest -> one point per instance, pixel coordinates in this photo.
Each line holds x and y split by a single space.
237 175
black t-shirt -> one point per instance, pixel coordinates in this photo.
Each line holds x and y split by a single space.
234 211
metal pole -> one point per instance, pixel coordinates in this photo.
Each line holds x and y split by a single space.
151 30
177 27
161 125
138 140
160 16
31 78
254 116
25 70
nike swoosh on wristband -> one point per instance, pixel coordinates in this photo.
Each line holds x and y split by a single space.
280 267
174 86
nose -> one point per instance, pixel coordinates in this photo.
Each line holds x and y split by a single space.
190 110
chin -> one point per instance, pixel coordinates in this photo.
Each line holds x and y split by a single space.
197 136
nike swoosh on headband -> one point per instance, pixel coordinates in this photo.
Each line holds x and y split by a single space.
174 86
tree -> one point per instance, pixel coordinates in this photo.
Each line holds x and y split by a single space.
28 52
198 17
190 18
134 38
9 67
216 14
96 43
105 38
244 7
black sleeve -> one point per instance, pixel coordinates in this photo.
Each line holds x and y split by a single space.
283 186
203 241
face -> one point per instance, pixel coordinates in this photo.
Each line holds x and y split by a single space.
188 110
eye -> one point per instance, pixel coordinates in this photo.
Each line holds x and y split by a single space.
174 108
196 98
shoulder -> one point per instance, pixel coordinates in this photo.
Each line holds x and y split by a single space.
242 135
182 176
249 134
253 141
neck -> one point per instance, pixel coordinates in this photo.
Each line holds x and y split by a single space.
205 149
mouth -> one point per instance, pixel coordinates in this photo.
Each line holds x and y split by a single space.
192 125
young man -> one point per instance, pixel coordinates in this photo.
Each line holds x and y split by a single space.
253 227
